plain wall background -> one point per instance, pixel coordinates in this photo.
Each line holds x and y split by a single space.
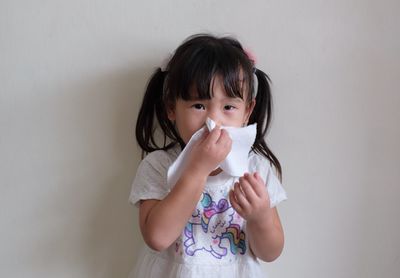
72 76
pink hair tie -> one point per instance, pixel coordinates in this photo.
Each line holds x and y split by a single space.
251 55
253 58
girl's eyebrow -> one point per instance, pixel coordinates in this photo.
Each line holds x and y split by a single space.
234 99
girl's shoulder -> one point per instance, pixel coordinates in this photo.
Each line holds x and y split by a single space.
258 160
260 164
150 181
161 159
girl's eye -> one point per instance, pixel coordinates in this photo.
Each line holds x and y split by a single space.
229 107
198 106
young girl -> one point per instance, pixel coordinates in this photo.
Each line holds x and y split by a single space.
209 223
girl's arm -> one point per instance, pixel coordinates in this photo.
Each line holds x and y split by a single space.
266 237
162 221
251 200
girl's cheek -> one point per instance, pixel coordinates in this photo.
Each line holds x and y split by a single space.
235 121
186 137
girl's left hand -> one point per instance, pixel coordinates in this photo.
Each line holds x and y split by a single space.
250 198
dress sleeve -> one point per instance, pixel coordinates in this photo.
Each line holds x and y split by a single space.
150 181
275 190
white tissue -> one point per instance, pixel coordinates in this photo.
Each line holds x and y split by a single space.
235 164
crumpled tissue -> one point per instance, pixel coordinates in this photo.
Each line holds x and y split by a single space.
235 164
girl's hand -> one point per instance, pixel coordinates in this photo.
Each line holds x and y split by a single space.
210 151
250 198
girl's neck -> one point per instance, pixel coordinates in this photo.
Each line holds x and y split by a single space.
216 172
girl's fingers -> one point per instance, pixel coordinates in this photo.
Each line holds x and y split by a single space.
256 183
214 135
258 177
247 188
240 196
224 137
203 136
235 203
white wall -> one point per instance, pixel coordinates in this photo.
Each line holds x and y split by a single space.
72 75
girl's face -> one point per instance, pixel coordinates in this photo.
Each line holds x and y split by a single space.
191 115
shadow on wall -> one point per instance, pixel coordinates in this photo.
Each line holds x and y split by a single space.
113 238
91 230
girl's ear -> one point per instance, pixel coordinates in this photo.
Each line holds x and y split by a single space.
249 109
171 112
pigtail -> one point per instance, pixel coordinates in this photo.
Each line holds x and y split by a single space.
153 106
262 116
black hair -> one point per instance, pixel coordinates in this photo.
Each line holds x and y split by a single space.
194 64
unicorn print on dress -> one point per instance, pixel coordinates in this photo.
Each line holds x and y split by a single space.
214 228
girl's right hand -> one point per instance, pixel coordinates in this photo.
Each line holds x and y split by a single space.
209 151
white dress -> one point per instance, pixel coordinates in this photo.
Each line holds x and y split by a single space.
214 242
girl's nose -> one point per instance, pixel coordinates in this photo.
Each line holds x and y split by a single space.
215 114
215 118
